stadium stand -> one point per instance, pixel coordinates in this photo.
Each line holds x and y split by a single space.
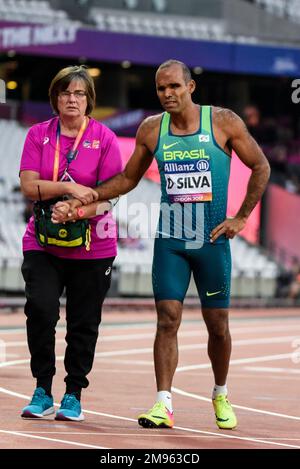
239 21
32 11
282 8
155 25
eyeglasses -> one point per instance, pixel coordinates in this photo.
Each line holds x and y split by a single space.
77 94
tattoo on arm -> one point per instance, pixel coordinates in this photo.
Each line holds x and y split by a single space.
250 154
255 189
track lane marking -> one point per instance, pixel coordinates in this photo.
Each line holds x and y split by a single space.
56 440
250 409
202 432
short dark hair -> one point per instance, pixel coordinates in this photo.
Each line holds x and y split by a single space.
185 69
62 80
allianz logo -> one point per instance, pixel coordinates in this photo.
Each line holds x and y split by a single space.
201 165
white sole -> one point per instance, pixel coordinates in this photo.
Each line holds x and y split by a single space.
73 419
46 412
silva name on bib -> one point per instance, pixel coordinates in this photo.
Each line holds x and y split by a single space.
188 182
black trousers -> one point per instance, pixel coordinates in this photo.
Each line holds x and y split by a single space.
86 283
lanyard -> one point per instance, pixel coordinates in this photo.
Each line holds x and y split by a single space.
71 155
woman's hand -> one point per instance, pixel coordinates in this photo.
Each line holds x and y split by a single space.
68 210
65 211
86 195
60 212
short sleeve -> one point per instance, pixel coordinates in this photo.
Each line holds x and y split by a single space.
32 151
111 161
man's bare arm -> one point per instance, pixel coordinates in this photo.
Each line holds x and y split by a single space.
252 156
135 168
123 182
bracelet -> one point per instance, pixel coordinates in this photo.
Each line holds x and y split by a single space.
80 212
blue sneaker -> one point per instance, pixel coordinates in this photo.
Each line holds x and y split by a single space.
70 409
40 405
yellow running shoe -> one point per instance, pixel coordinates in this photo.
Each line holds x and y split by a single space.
225 417
157 417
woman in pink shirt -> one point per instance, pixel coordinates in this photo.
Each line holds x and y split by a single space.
66 156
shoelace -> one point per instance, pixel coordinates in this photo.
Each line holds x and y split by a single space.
38 394
226 403
69 402
158 406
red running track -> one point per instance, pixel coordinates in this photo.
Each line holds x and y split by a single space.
263 386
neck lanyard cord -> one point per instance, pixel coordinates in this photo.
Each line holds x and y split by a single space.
72 153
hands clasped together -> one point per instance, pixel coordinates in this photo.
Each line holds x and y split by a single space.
67 210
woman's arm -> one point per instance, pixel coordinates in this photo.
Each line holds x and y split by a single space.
35 188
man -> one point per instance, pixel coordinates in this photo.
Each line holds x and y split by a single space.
192 145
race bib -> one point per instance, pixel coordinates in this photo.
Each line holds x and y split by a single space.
188 182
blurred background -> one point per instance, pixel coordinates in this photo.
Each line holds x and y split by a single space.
244 55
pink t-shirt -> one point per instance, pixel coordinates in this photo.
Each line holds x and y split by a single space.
98 159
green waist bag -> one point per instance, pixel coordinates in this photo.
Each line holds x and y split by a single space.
66 235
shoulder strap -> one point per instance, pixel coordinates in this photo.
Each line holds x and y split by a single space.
206 118
164 129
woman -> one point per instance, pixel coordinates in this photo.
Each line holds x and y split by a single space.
66 156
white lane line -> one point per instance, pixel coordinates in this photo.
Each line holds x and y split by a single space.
143 435
65 442
130 337
237 361
113 353
14 362
61 327
9 331
265 340
202 432
270 369
149 435
146 350
202 331
24 343
250 409
126 362
138 351
244 438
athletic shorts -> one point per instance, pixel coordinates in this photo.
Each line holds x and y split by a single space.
174 261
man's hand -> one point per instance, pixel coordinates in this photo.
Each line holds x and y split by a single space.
229 227
65 211
86 195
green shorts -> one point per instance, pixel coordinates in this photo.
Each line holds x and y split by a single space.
174 261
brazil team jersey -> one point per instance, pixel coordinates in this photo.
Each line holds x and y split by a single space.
194 172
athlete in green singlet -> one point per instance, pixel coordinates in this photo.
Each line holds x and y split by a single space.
192 145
